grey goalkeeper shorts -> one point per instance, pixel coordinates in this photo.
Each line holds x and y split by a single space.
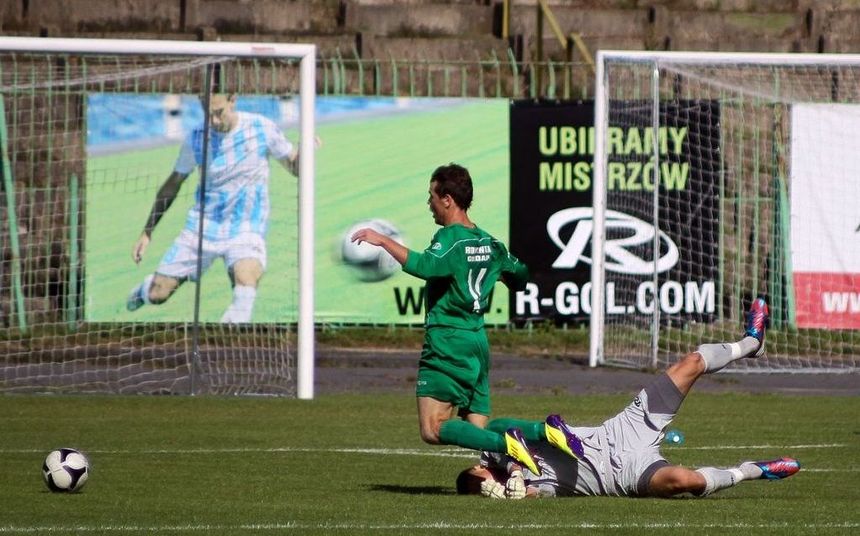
635 434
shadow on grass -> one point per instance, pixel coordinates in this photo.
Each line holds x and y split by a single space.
413 490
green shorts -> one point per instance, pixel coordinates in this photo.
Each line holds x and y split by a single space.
455 368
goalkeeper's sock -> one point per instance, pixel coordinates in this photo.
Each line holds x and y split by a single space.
717 479
532 430
717 356
466 434
749 470
243 304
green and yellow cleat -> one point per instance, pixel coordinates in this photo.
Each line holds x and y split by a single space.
518 450
560 436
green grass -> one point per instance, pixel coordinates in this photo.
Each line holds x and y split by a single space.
181 465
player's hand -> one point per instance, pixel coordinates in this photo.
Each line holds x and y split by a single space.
515 487
140 248
368 235
492 489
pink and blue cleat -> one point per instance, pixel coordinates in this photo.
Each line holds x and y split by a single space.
777 469
757 322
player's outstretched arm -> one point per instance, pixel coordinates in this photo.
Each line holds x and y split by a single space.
395 249
163 199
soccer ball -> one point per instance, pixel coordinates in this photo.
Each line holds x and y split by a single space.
368 262
66 470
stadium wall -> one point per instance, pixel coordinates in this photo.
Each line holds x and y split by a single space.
771 25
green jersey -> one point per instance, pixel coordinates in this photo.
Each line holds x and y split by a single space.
461 266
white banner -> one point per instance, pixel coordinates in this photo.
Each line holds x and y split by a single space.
825 214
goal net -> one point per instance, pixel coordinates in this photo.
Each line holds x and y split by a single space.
110 280
756 158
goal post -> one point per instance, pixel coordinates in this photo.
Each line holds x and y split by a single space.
91 130
719 177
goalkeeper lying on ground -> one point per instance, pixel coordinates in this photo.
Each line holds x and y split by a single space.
622 456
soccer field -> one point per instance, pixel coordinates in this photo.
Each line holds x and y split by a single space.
346 464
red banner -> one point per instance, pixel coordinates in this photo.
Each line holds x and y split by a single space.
828 300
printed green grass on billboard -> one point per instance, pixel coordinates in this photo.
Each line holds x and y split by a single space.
372 166
380 168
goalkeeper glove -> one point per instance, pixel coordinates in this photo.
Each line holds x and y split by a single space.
515 488
492 489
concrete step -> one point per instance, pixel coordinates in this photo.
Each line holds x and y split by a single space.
734 27
419 20
841 22
737 6
264 16
102 15
592 22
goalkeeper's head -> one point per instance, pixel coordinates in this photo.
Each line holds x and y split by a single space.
469 480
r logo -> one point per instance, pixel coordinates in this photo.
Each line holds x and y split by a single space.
618 257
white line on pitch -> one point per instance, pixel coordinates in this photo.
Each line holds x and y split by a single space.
441 452
818 470
418 526
446 453
739 447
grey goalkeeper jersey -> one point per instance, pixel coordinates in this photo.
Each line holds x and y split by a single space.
621 454
562 476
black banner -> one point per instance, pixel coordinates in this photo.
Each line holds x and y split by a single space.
552 148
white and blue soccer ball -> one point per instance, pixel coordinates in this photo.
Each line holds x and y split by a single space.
368 262
66 470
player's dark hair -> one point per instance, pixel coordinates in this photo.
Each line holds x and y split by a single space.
468 483
454 180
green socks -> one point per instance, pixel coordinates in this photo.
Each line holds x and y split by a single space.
466 434
532 430
491 438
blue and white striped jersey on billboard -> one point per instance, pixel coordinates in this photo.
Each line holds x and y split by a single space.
237 178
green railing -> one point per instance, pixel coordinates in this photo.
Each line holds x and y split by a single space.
494 76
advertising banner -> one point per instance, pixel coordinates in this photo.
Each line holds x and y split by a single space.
825 221
552 148
134 144
373 168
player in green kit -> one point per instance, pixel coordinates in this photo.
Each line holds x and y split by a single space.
460 267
